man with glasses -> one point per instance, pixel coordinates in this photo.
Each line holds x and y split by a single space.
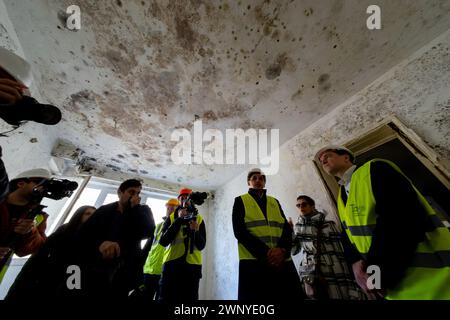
389 224
266 270
322 269
28 234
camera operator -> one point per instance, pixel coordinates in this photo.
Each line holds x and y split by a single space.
110 244
13 221
15 105
185 234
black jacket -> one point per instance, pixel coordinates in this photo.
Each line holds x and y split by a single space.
255 246
128 229
400 225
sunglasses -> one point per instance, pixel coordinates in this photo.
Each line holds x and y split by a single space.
301 205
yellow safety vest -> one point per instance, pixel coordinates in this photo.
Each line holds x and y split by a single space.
428 276
177 248
154 262
267 230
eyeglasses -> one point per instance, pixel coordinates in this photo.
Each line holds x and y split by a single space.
301 204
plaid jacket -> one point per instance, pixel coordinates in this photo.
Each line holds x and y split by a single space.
332 264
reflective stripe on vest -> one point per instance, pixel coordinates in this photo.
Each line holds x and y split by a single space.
153 264
177 247
268 231
428 276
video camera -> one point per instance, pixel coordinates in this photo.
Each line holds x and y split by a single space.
195 198
54 189
29 109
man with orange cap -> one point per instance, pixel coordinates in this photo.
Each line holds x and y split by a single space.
184 235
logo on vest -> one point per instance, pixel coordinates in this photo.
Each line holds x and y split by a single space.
356 210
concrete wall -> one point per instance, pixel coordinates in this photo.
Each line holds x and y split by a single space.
29 146
415 91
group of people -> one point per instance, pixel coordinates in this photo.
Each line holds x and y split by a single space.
387 226
105 244
386 223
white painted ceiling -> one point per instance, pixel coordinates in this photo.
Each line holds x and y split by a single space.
139 69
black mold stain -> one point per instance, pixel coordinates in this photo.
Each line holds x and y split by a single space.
115 160
324 83
308 12
273 71
121 156
115 168
132 170
135 155
143 171
62 17
33 140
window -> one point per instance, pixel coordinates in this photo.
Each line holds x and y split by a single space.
393 141
99 192
110 198
158 207
87 198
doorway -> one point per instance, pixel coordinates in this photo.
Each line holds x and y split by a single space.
391 140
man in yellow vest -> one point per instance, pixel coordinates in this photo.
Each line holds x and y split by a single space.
266 270
389 225
184 235
154 262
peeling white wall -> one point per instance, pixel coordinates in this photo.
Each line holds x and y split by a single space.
29 146
415 91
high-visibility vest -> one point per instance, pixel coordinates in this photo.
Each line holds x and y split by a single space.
428 276
154 262
37 221
267 230
177 248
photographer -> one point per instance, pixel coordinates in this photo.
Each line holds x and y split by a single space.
110 244
20 200
185 234
15 106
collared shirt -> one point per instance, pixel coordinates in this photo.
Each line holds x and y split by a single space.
346 178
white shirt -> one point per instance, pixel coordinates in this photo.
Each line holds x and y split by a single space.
346 178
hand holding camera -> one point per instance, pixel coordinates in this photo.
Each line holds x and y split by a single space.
193 225
10 91
23 226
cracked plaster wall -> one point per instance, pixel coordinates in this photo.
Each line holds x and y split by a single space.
415 91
